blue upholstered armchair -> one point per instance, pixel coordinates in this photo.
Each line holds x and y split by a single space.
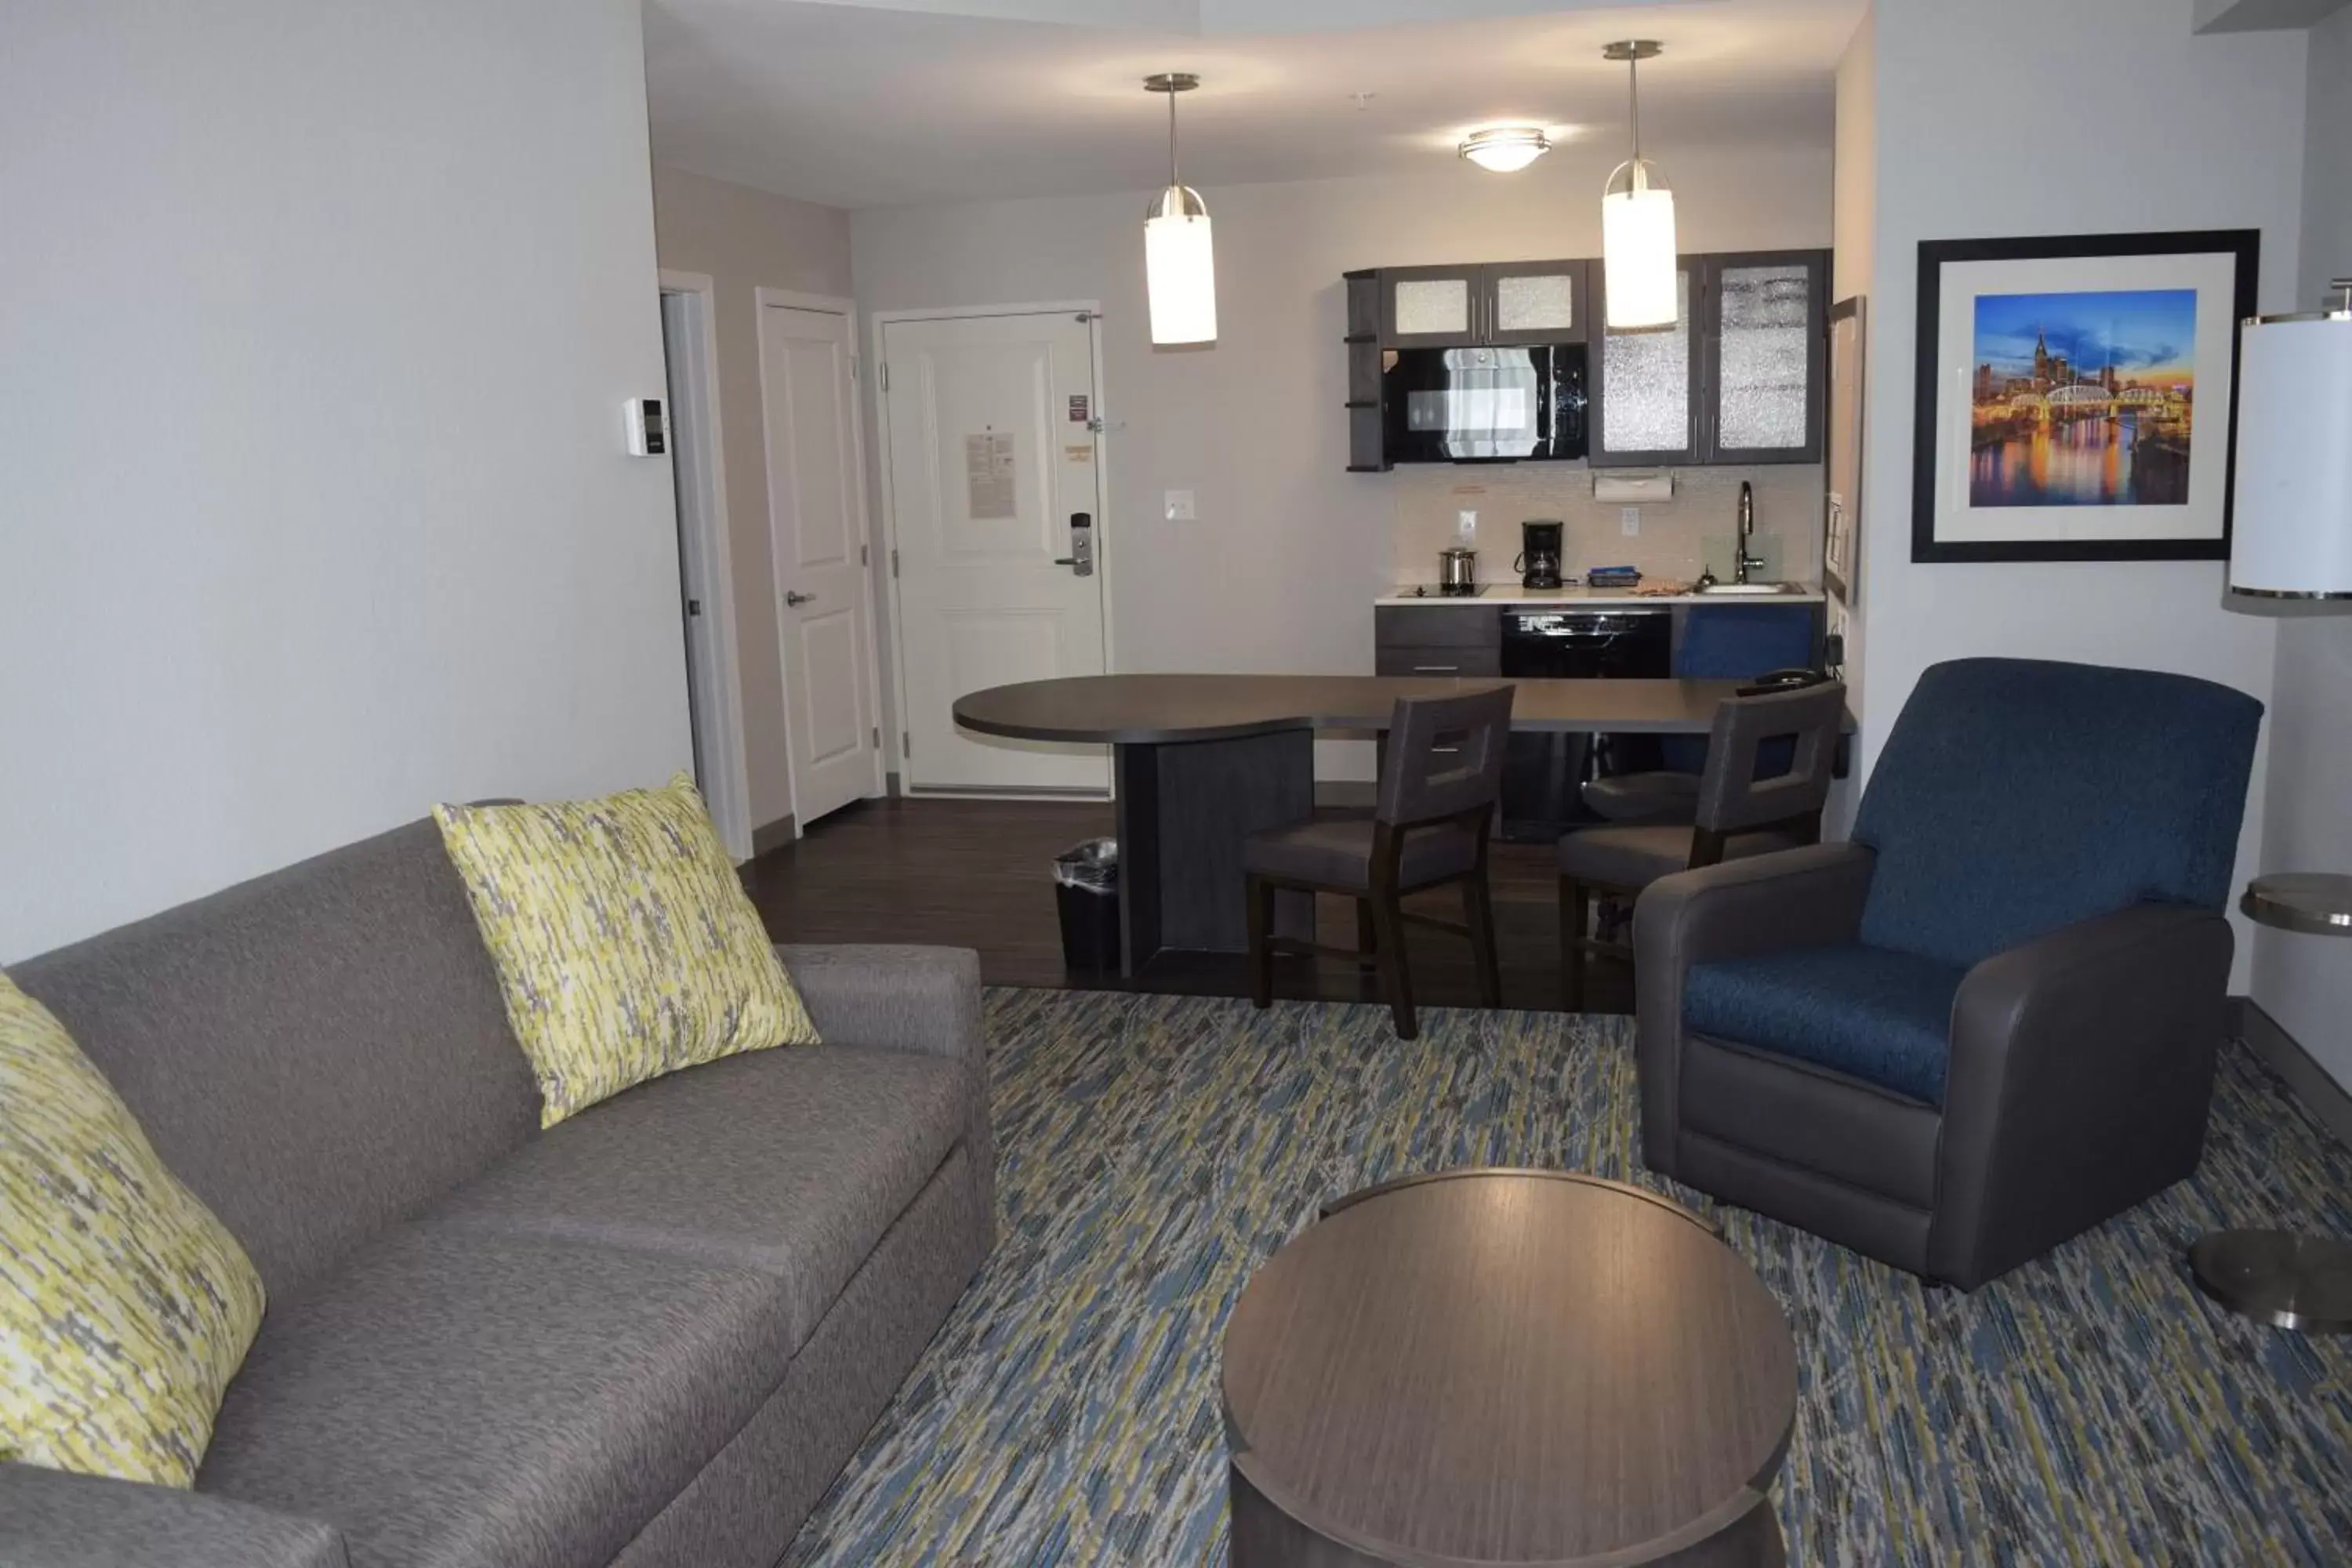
1989 1022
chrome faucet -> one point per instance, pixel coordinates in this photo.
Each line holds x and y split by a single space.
1743 561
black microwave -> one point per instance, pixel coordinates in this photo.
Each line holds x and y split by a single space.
1483 404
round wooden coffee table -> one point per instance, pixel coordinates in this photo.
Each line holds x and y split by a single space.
1499 1367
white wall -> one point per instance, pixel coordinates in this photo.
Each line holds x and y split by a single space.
2305 982
1281 570
745 239
319 315
2190 133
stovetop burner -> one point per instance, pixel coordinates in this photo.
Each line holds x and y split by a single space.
1441 591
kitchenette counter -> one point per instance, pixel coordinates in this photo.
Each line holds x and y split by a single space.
1512 595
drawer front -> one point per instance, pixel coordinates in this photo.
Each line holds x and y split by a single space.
1437 625
1394 658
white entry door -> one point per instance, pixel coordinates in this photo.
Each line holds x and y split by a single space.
817 524
997 518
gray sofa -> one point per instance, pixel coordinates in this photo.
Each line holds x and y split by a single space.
650 1335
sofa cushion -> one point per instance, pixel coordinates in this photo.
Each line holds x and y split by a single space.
316 1053
624 943
2018 796
451 1396
792 1162
1881 1016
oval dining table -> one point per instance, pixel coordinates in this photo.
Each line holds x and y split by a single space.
1201 761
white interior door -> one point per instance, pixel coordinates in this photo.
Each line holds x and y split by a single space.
817 522
992 461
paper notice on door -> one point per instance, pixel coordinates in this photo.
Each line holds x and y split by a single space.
988 474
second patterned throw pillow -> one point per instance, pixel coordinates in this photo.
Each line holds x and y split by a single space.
625 943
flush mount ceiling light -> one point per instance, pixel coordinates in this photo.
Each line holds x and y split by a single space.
1640 274
1504 148
1180 265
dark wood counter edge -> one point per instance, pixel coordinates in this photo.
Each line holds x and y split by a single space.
1471 1173
1276 722
1160 735
1725 1516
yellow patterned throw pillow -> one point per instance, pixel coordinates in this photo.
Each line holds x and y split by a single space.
125 1306
623 940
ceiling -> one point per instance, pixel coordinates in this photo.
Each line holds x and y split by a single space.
868 103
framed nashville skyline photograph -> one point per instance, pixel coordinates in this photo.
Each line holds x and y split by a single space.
2077 396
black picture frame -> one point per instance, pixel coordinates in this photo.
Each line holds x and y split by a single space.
2243 245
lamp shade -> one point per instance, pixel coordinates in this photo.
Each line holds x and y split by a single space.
2291 521
1180 269
1640 270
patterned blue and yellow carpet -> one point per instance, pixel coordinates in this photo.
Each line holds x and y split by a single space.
2088 1408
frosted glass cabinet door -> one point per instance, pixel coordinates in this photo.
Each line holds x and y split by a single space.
1765 404
1429 306
1643 389
1536 302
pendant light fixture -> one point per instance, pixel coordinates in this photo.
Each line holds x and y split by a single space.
1641 273
1180 265
1504 148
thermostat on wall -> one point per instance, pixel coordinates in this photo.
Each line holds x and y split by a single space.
648 435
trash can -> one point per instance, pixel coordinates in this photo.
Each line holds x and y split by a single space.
1086 890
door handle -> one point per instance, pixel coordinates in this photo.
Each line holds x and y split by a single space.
1081 558
792 598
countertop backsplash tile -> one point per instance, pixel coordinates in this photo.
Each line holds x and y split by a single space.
1696 527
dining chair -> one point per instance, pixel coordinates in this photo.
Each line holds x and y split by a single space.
1440 780
1734 813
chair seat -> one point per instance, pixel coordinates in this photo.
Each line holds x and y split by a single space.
1337 853
1644 798
1635 856
1873 1014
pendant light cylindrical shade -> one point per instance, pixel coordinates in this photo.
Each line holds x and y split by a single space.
1641 277
2291 531
1180 261
1179 269
1640 274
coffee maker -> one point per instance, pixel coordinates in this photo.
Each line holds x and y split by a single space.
1539 549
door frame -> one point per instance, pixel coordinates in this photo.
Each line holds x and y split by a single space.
720 726
1105 534
827 305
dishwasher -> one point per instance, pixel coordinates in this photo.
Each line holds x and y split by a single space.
1544 774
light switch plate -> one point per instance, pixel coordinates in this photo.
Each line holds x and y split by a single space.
1629 519
1179 506
1465 525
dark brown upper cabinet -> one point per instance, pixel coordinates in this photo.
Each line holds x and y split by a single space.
1514 302
1741 378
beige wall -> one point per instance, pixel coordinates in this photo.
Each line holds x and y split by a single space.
2229 110
745 239
1280 571
318 508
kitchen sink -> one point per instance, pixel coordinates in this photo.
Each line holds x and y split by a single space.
1747 590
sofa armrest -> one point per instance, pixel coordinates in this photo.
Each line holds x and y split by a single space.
50 1518
1809 897
906 998
2081 1076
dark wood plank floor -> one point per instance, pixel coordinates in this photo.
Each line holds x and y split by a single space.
976 874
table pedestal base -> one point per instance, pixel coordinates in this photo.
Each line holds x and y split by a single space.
1184 808
2278 1278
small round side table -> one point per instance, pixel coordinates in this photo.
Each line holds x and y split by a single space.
2277 1277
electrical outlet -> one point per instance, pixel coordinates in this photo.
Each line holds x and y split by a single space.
1465 523
1629 520
1178 507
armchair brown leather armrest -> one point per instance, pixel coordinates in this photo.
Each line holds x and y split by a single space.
1810 896
2081 1075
